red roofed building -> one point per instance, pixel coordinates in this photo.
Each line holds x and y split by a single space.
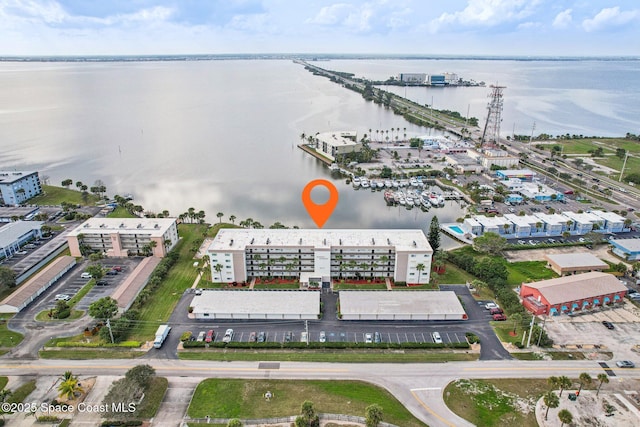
568 294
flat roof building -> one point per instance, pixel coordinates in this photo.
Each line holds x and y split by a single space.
400 305
494 224
37 284
333 144
263 305
568 294
523 174
121 237
239 254
15 234
629 249
613 222
575 262
16 187
14 213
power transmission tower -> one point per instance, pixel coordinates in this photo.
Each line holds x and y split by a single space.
491 132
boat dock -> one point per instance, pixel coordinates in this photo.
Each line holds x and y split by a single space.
314 153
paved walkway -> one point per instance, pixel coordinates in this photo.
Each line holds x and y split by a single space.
176 401
388 283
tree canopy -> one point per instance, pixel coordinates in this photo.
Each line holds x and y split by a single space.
434 234
104 308
490 243
7 277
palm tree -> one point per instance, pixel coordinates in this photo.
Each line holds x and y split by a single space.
604 379
220 215
565 417
584 379
69 387
552 400
232 218
517 318
563 382
218 269
420 267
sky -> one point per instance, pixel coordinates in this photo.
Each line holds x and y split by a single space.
419 27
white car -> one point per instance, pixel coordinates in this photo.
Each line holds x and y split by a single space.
581 240
85 275
62 297
368 338
436 337
491 305
323 337
228 336
21 253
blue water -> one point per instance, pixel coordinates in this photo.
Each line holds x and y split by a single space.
456 229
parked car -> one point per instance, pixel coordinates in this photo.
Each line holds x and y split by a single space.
210 336
62 297
198 292
377 337
625 364
85 275
21 253
228 336
102 283
201 336
608 324
262 336
117 268
522 242
368 338
304 336
496 310
253 337
491 305
436 337
323 336
111 273
288 336
499 317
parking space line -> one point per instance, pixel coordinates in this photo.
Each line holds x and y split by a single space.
406 337
398 336
423 338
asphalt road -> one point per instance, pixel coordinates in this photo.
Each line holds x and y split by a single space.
418 386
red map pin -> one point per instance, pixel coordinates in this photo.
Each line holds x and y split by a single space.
320 213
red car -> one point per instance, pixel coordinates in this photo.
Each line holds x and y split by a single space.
117 268
499 317
210 336
496 311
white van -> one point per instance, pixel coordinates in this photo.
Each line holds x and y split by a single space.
85 275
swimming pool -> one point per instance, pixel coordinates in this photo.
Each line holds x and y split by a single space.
456 229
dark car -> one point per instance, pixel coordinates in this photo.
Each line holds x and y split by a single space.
608 324
102 283
288 337
111 273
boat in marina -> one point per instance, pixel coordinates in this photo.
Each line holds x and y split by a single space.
355 182
395 184
387 184
380 184
436 199
389 197
413 182
364 182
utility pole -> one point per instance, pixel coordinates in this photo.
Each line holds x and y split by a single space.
533 318
110 331
626 156
540 337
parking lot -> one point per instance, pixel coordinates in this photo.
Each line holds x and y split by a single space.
387 335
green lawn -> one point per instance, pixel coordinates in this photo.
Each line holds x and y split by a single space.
453 275
181 276
19 394
342 356
489 403
83 354
231 398
503 329
152 398
363 287
277 286
43 316
52 195
528 271
8 338
3 382
121 212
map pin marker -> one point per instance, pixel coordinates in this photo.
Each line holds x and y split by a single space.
320 213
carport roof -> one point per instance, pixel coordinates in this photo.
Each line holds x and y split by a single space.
257 302
576 260
14 230
577 287
400 302
32 286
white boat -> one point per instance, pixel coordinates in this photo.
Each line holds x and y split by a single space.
355 182
364 183
400 198
395 184
388 184
425 203
404 183
409 201
413 182
334 167
380 184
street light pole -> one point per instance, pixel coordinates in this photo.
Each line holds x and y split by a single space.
626 156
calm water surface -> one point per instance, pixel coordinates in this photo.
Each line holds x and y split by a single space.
221 135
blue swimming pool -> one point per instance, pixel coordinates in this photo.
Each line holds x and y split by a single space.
456 229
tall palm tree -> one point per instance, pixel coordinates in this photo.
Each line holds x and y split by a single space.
218 269
564 382
604 379
420 267
565 417
552 400
584 379
220 215
232 218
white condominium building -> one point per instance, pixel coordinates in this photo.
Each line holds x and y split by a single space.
18 186
239 254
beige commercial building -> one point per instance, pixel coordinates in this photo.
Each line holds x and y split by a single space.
121 237
576 262
333 144
402 255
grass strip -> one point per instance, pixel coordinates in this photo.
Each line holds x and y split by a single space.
84 354
21 393
153 396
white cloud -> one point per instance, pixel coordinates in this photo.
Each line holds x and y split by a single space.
47 11
529 25
355 19
563 19
609 17
486 13
331 15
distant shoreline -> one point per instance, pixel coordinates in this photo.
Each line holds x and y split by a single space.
303 56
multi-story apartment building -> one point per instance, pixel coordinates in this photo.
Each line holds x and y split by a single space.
18 186
239 254
120 237
333 144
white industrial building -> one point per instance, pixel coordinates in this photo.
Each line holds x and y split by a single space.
238 254
333 144
264 305
412 78
121 237
15 234
400 305
18 186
